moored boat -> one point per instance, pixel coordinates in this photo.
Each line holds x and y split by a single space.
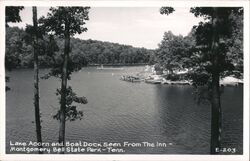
152 81
180 82
129 78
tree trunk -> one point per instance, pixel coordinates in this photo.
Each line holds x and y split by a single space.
216 115
36 80
64 86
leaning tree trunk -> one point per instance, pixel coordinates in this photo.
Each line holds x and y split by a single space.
64 86
216 118
36 80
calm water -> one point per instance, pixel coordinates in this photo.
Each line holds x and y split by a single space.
120 111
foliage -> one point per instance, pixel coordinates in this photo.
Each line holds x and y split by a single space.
235 45
83 52
71 112
65 22
213 50
174 52
176 77
210 56
7 79
166 10
207 12
97 52
193 51
229 51
215 59
59 17
17 53
12 14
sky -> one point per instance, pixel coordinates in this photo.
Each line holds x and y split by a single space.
136 26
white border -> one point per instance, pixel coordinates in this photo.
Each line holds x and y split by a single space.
123 157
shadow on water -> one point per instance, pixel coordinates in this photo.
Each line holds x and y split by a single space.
119 111
180 119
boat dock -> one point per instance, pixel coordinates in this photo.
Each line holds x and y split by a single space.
129 78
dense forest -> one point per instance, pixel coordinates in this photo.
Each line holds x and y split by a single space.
19 51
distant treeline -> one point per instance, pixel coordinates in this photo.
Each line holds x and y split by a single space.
83 52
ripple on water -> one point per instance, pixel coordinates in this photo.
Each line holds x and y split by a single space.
119 111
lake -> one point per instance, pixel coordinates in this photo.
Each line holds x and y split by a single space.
119 111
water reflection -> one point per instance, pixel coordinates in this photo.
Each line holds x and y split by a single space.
119 111
180 120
